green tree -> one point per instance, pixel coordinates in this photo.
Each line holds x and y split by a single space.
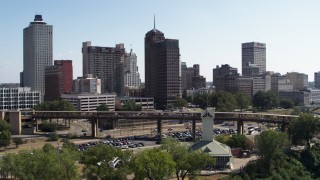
270 145
222 138
96 159
103 107
131 106
202 100
243 100
226 102
152 164
37 165
5 134
179 103
186 162
286 103
303 129
55 106
238 141
264 100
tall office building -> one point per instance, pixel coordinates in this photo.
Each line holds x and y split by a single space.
317 80
162 68
225 78
131 73
105 63
191 77
253 55
58 79
37 53
298 80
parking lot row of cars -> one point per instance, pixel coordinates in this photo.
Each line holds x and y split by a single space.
123 144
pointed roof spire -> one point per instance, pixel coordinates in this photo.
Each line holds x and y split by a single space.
154 21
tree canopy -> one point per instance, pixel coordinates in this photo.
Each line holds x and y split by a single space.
5 134
96 163
186 162
131 105
304 128
243 100
55 106
265 100
103 107
152 164
179 103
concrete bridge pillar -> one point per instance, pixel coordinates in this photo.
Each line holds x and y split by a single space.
194 130
283 127
240 127
94 123
159 126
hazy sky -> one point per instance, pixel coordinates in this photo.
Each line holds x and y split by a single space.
210 32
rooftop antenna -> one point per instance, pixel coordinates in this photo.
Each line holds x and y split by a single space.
154 21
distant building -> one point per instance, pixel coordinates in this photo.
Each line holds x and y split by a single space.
145 102
105 63
299 80
162 68
261 83
87 85
9 85
245 85
37 53
280 83
191 77
314 96
58 79
253 53
317 80
132 79
225 78
300 98
18 98
90 102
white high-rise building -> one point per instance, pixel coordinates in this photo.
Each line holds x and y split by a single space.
131 73
37 53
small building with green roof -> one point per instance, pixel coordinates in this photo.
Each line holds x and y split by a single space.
221 152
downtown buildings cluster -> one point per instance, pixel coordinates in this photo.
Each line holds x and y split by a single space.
110 74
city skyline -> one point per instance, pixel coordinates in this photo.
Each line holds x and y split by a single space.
210 33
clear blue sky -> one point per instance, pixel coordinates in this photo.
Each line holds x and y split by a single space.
210 32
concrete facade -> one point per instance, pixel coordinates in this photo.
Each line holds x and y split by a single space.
90 102
253 54
105 63
87 85
299 80
19 98
37 53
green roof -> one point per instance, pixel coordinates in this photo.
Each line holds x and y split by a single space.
213 148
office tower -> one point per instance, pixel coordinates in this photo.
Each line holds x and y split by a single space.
105 63
58 80
317 80
37 53
191 77
131 73
253 55
162 68
225 78
298 80
87 85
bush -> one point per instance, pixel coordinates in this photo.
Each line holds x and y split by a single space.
49 128
53 137
17 141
